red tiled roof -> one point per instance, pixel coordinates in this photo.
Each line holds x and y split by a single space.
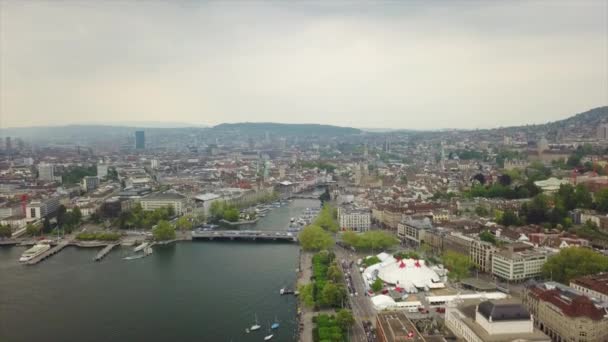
597 282
579 306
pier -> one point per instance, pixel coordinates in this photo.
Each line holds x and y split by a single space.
52 251
253 235
105 251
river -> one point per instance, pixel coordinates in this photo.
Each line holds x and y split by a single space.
189 291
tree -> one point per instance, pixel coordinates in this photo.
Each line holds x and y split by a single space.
32 230
231 214
480 178
61 213
377 285
536 209
583 197
5 231
76 215
163 231
183 223
95 218
326 219
481 211
508 218
314 238
487 236
334 274
345 319
504 180
325 196
457 264
332 294
574 262
601 200
216 210
46 224
198 219
306 295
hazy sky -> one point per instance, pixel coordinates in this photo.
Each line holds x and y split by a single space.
399 64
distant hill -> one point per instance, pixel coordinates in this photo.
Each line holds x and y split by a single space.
259 128
582 125
590 118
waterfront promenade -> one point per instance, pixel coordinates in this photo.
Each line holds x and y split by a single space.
303 279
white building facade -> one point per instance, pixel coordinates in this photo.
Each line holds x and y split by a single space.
358 220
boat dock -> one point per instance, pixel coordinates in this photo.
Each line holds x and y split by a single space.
105 251
52 251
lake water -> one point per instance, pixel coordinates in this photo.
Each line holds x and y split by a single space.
189 291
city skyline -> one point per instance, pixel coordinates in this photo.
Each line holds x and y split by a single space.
407 66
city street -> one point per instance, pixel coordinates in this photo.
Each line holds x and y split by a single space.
361 305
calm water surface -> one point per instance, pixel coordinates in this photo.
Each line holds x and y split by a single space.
190 291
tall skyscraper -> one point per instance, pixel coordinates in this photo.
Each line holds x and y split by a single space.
46 172
140 140
8 145
102 170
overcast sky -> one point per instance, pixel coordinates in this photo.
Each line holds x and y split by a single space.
400 64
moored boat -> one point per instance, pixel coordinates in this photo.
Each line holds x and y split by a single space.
35 251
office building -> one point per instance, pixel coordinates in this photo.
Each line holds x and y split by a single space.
140 140
89 183
565 314
519 262
46 172
163 200
42 208
412 231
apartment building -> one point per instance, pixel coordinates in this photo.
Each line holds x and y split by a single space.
565 314
519 262
355 219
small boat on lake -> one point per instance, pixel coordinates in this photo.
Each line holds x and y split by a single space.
256 326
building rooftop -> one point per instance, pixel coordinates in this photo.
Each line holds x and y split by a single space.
164 196
398 328
596 282
468 309
501 311
478 284
569 301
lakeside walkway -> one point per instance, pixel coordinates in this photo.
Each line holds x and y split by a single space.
303 279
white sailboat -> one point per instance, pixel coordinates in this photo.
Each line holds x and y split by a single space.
256 326
269 336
